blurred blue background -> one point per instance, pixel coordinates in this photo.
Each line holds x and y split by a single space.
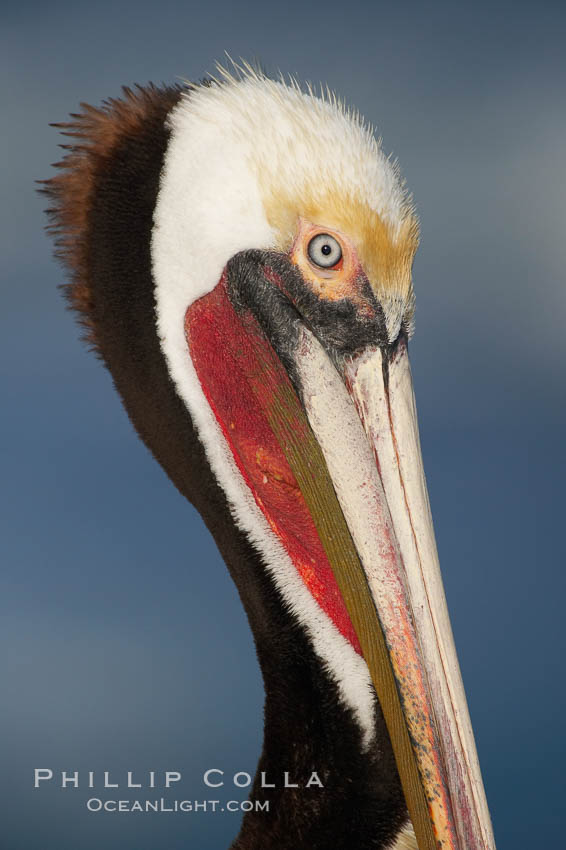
124 643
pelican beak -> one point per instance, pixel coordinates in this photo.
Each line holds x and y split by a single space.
367 405
340 425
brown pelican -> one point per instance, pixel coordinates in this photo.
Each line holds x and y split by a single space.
240 253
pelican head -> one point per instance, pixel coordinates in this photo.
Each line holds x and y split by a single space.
241 253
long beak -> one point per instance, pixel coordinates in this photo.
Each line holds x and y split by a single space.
330 445
365 422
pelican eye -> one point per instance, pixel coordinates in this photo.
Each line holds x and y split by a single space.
324 251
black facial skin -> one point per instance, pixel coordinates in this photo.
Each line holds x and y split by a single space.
340 326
